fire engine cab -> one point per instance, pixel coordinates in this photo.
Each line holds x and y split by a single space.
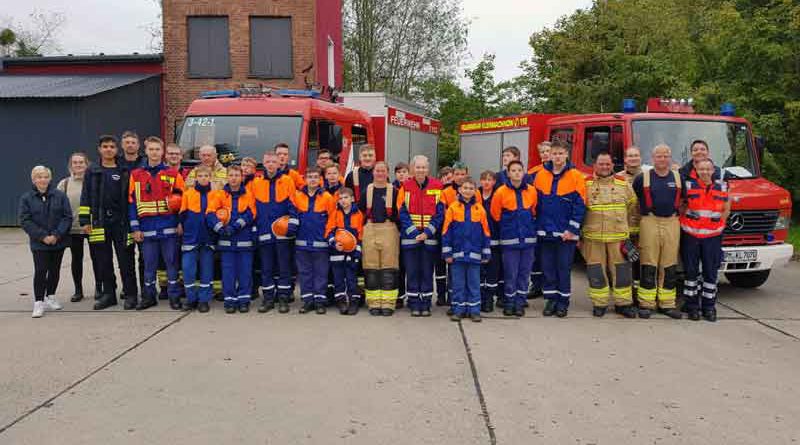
755 235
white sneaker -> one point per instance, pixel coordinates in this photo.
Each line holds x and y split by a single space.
52 303
38 309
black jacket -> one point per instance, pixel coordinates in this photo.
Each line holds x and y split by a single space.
43 214
91 209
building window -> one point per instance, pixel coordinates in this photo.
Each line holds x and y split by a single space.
209 49
271 47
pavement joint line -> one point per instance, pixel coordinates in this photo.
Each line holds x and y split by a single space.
761 322
476 380
50 400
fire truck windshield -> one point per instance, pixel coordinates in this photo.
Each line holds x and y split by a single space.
236 137
729 143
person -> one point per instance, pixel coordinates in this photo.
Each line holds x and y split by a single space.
491 272
381 253
154 224
510 153
72 186
544 156
208 157
535 289
333 181
632 168
420 221
103 215
344 264
465 247
46 217
173 155
400 176
401 173
361 176
285 162
131 155
273 198
249 169
561 209
700 152
235 239
445 176
610 200
458 173
702 222
314 207
324 157
197 249
513 207
659 193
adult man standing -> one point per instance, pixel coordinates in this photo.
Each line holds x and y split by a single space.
633 167
659 193
361 176
609 201
131 157
208 157
421 217
700 153
103 216
173 156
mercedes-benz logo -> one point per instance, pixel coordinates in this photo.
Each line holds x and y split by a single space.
736 222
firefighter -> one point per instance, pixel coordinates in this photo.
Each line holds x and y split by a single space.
400 176
381 256
465 247
561 208
702 222
285 162
131 158
491 272
273 194
104 217
659 193
514 208
345 264
633 167
154 224
235 239
361 176
333 181
535 289
449 196
314 207
510 153
610 200
197 248
700 153
420 220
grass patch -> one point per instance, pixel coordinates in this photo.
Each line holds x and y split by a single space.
794 238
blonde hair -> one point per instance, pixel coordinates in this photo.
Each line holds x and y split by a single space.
40 169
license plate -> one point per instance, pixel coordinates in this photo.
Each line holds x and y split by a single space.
741 256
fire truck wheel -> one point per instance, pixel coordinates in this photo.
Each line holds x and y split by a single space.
748 279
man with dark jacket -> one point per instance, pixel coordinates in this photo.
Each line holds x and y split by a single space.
103 216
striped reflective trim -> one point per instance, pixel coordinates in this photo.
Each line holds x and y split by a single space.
264 237
320 297
410 230
509 242
689 292
486 251
134 224
474 303
605 207
541 233
254 229
575 224
204 285
475 256
150 233
431 228
188 286
689 283
707 285
491 285
446 249
246 296
268 287
709 294
294 221
170 231
537 273
336 258
494 242
304 243
530 240
431 242
694 231
225 243
241 222
84 210
455 255
607 237
703 214
217 226
408 242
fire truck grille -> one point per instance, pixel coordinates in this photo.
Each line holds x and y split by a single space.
740 223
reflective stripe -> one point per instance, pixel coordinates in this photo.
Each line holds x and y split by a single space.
84 210
605 236
337 258
268 287
223 242
606 207
575 224
150 233
301 243
704 213
709 294
431 228
455 255
447 249
431 242
711 286
265 237
475 256
187 286
693 231
217 226
530 240
486 251
408 242
689 283
541 233
509 242
294 221
170 231
410 230
494 242
244 244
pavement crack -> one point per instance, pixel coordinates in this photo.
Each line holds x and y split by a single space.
760 321
476 380
49 401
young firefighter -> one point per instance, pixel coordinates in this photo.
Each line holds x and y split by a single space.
198 244
561 209
333 181
400 176
514 208
314 207
535 289
465 246
458 172
510 153
154 223
285 162
381 253
361 176
273 194
492 271
345 264
445 176
230 214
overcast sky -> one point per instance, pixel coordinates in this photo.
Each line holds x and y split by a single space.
117 27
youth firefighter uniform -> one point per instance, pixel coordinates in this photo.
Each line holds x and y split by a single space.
537 276
659 237
311 245
149 212
235 243
465 240
219 177
401 287
561 208
420 213
491 272
610 202
273 199
514 209
381 254
345 264
701 243
197 249
441 270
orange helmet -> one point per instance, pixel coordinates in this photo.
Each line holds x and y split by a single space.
346 239
174 203
280 226
223 214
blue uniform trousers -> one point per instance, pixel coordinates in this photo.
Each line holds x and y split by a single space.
490 276
700 290
198 289
237 275
276 270
465 284
344 279
419 276
557 257
517 270
166 248
312 275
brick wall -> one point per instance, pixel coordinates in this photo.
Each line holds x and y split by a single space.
179 90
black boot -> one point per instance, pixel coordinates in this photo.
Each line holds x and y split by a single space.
146 302
321 309
710 314
162 294
387 312
508 312
130 303
352 308
671 313
175 304
244 308
342 306
549 308
230 310
308 306
283 305
98 291
203 307
599 311
519 312
105 301
693 314
375 312
644 313
441 299
626 311
188 307
399 304
77 296
266 306
561 313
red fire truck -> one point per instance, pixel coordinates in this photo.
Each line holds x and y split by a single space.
249 121
754 239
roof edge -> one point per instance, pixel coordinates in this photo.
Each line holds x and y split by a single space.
71 60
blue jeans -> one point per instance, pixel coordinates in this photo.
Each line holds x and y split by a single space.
466 288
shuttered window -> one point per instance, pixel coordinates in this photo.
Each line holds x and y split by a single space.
271 47
209 47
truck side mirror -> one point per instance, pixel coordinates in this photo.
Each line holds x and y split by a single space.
761 145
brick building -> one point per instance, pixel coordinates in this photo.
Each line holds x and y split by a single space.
222 44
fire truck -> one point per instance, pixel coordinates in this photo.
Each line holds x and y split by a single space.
248 121
754 240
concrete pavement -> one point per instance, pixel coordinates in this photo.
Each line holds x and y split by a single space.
80 376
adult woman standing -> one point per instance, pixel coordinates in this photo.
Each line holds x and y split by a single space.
72 186
45 215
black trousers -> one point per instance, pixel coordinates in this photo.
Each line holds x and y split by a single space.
116 240
76 249
46 272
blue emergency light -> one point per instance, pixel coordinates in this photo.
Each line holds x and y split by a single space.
214 94
298 93
628 105
728 109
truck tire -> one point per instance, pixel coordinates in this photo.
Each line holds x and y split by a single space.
748 279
